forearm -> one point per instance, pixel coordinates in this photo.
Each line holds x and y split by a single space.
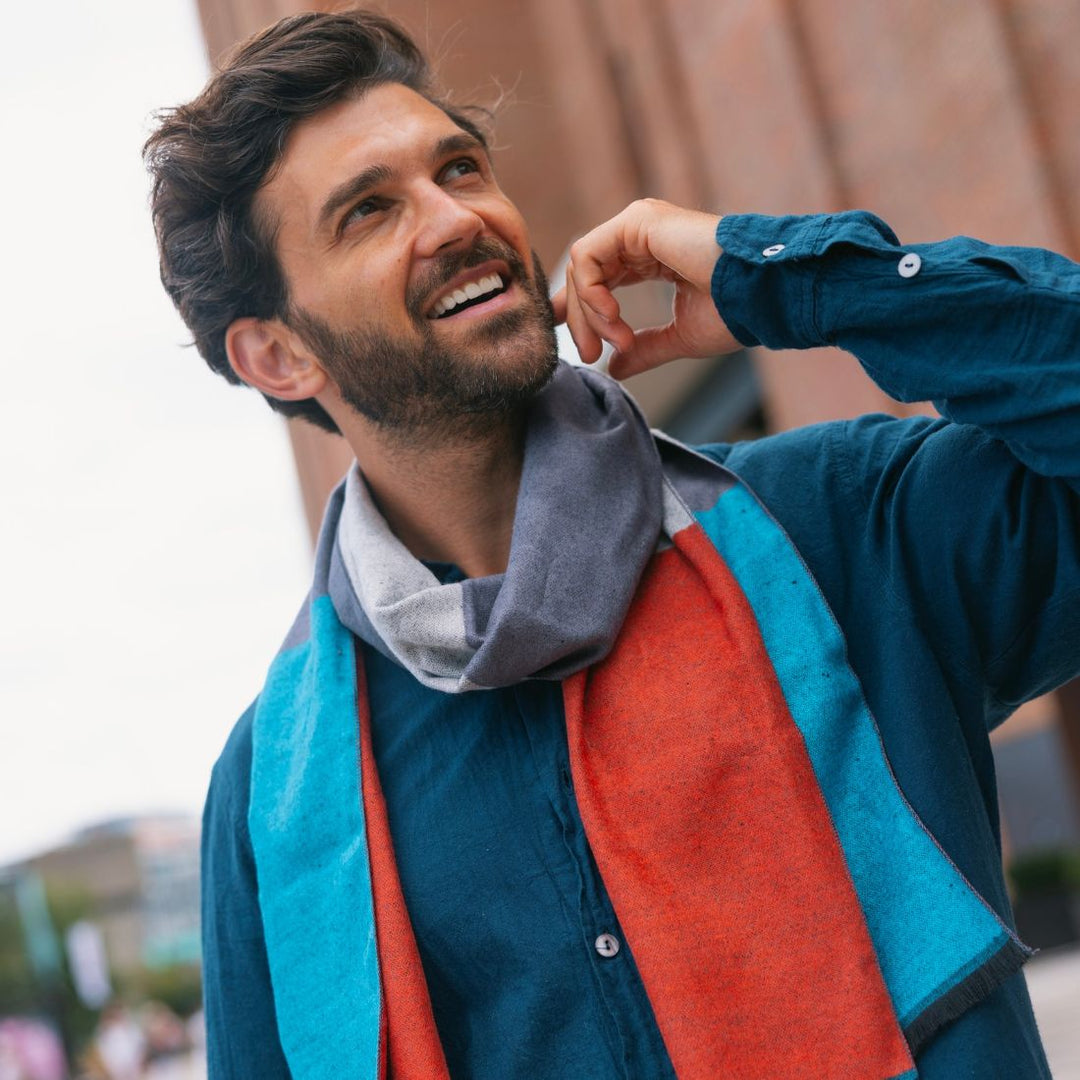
990 335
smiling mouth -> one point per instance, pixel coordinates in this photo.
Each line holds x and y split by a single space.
469 295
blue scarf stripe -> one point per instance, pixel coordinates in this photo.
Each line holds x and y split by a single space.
905 882
306 819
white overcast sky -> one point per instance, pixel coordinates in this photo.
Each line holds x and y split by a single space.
152 546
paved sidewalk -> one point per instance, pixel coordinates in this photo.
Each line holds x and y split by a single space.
1054 981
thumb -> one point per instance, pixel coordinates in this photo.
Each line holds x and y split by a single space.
652 347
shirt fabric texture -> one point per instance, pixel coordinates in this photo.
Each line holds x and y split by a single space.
949 553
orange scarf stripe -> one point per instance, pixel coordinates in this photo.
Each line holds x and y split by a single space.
409 1040
716 845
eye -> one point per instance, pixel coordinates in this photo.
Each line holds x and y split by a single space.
364 208
460 167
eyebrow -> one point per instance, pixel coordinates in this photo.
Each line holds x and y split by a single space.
353 188
456 144
368 178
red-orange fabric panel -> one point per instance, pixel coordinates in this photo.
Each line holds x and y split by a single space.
715 843
409 1042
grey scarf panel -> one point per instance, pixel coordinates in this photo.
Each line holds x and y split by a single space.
588 518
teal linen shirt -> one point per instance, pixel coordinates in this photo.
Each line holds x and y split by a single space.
949 551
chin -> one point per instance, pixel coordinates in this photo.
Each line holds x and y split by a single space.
505 381
431 389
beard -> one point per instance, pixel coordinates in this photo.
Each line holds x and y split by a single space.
417 385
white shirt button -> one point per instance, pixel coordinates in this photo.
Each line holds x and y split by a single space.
607 945
910 265
772 249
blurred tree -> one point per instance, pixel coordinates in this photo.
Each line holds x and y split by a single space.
18 986
68 906
179 986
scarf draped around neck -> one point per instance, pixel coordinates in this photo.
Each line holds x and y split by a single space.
588 518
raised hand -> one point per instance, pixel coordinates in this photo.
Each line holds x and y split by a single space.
649 239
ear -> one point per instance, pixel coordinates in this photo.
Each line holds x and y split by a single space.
266 354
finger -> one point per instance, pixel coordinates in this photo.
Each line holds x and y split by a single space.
608 324
653 239
589 345
601 265
595 293
558 306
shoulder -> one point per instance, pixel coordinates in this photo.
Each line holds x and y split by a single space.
826 447
896 472
231 775
225 815
816 480
229 796
875 497
228 860
865 459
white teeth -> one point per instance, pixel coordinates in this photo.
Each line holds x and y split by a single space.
470 291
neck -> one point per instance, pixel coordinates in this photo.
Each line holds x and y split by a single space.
452 501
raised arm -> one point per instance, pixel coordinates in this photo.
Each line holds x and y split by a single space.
990 334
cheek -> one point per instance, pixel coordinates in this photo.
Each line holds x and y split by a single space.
374 293
511 226
523 244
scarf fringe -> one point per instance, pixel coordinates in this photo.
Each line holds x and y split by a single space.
976 987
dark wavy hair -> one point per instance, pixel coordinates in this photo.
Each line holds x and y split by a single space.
209 157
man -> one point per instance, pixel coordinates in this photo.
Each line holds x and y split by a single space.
591 755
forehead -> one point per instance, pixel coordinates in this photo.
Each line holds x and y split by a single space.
390 125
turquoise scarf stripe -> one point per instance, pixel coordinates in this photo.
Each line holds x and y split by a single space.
905 882
306 818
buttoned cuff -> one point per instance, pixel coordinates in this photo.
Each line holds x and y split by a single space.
764 283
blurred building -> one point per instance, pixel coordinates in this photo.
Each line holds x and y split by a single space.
942 118
138 880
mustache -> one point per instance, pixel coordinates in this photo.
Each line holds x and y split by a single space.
436 276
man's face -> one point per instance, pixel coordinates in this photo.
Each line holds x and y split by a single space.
409 272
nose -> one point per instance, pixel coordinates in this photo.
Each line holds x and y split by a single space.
444 222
